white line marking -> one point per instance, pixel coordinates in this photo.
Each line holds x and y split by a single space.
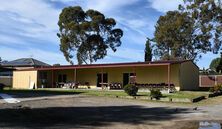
7 98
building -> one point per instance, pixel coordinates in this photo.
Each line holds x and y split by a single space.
183 75
6 76
7 68
24 63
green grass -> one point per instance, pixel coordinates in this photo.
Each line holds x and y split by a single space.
180 94
186 94
108 93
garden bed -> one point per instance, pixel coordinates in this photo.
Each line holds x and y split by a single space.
214 94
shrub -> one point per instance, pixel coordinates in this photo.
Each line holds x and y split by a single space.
1 86
131 89
155 93
216 88
211 89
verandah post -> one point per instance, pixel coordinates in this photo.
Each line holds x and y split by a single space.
134 74
52 79
102 79
75 75
168 76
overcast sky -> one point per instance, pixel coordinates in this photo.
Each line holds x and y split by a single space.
28 27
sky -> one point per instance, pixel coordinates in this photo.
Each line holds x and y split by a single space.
28 28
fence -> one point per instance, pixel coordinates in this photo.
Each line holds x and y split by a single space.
210 80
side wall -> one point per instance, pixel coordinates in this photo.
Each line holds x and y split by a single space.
189 76
23 79
90 75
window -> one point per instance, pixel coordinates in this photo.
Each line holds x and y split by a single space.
129 78
62 78
43 75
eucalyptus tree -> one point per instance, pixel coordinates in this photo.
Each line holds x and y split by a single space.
87 35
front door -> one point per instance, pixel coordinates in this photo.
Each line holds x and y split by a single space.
125 79
99 79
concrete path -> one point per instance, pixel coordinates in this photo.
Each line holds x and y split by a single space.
9 99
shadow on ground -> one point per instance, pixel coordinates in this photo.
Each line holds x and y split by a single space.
80 117
38 93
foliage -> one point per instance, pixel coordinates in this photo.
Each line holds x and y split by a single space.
176 39
214 63
155 93
207 22
219 67
194 29
1 86
148 50
87 35
131 89
216 88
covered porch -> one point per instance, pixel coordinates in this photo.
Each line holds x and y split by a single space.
164 75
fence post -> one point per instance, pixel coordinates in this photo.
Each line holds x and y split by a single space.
215 80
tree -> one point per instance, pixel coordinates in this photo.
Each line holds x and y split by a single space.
175 37
219 67
207 21
87 35
148 50
194 29
214 64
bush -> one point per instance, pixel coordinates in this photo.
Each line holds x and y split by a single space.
131 89
155 93
1 86
216 88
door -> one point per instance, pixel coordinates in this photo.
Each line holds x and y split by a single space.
125 79
62 78
99 79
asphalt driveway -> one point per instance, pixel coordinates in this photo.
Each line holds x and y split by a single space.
80 111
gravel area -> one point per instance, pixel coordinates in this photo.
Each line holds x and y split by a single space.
80 111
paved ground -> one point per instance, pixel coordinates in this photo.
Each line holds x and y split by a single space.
78 111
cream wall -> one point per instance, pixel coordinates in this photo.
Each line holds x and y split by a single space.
158 74
87 75
22 79
189 76
154 74
70 74
114 74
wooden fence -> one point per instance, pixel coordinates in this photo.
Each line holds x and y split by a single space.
210 80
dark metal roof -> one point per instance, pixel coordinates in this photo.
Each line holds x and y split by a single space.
2 69
112 65
24 62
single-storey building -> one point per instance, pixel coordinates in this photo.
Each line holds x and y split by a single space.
24 63
183 75
7 68
5 76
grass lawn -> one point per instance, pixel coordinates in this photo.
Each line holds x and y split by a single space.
186 94
180 94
